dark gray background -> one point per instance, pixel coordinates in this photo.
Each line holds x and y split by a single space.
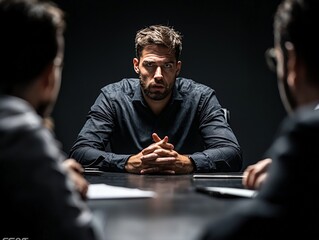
223 47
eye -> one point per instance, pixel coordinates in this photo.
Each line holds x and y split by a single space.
149 64
168 65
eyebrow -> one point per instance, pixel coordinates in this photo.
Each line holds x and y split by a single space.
153 61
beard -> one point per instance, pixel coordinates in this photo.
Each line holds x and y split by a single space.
156 94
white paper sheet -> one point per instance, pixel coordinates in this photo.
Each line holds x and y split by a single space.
104 191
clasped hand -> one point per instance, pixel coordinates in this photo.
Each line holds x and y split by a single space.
161 158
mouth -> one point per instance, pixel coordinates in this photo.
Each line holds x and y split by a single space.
157 87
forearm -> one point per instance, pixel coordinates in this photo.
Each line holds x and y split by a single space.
223 159
107 161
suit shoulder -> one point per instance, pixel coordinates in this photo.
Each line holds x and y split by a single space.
17 115
303 124
306 116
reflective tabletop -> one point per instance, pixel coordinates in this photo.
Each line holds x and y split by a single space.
178 212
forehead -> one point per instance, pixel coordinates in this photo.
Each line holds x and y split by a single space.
155 52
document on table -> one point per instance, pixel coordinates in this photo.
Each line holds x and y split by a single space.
104 191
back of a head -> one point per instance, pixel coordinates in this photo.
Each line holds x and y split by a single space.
297 21
159 35
28 41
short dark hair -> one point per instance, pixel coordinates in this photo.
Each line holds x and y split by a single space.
29 40
297 21
158 35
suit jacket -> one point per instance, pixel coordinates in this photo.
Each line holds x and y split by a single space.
287 205
38 201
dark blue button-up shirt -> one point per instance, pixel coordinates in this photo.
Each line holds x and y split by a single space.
120 124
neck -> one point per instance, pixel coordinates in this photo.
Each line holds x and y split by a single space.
157 106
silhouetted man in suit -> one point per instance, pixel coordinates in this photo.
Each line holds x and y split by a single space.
287 203
38 197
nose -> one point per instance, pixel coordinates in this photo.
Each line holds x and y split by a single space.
158 73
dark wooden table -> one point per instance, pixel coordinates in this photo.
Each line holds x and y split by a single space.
179 212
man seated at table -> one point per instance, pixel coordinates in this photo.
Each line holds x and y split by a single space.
157 123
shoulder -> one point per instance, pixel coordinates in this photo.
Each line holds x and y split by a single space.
22 131
186 85
305 119
298 133
17 114
124 86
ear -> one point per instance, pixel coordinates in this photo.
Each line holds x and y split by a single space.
135 65
178 67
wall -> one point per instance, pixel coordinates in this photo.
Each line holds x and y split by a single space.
223 47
